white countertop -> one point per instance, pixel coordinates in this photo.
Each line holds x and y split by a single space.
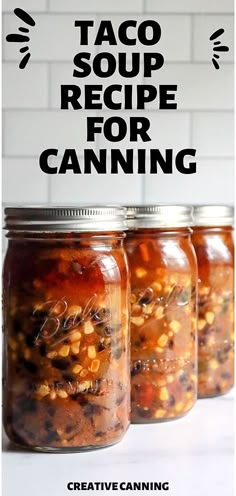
194 454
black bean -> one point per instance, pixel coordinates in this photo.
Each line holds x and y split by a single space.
51 411
27 405
51 437
30 366
144 413
184 380
225 375
99 434
202 342
60 363
171 401
68 377
108 331
69 429
30 340
92 409
42 349
137 367
101 347
16 326
48 425
145 300
222 356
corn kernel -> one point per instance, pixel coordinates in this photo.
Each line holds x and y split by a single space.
148 309
43 390
179 407
136 309
74 310
92 351
95 365
160 413
159 350
213 364
132 299
170 379
161 382
140 272
62 394
164 395
51 354
138 321
75 336
27 354
156 286
75 348
204 291
13 344
159 313
53 395
83 373
88 328
175 325
83 386
64 351
201 324
210 317
77 369
162 341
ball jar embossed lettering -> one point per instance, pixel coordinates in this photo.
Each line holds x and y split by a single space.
66 328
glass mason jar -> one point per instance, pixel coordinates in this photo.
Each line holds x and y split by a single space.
66 327
213 242
163 270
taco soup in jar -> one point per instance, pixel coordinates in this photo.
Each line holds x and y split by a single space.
66 328
213 242
163 271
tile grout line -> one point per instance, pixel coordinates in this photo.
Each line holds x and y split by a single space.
3 132
191 129
49 82
192 27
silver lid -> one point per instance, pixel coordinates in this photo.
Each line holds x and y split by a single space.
65 219
213 215
154 216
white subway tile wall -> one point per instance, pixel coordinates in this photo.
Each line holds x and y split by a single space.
33 121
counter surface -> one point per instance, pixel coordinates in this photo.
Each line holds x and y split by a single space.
194 454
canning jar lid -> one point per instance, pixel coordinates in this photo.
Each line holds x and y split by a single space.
155 216
83 218
213 215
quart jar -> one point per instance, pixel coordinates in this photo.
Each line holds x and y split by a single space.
214 246
163 271
66 328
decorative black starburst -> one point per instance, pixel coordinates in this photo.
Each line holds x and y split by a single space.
22 38
217 47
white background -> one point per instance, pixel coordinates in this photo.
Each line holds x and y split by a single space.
33 122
